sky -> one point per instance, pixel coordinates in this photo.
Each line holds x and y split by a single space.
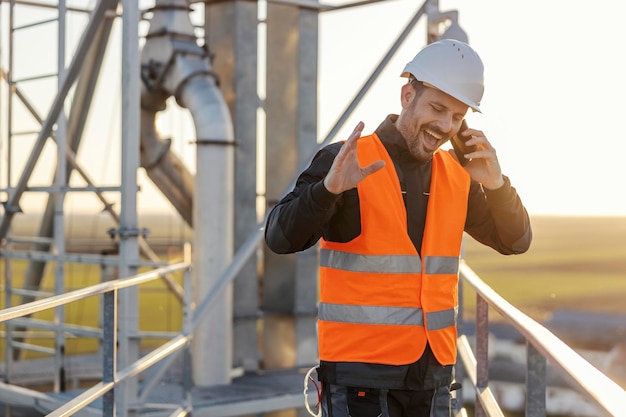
554 90
553 105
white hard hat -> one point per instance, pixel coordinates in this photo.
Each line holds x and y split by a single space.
450 66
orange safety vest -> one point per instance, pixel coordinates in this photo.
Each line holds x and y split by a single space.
379 301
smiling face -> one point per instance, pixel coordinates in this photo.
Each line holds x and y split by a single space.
428 119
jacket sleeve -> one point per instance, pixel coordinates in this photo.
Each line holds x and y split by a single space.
497 218
297 222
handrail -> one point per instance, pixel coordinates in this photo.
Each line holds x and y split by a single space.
483 394
169 348
80 294
101 388
604 392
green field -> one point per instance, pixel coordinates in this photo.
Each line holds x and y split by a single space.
574 263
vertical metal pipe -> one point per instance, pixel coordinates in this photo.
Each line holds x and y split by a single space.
187 330
59 198
8 346
213 251
109 349
1 91
10 95
482 351
281 144
191 80
4 245
108 344
128 232
8 350
305 291
535 382
459 369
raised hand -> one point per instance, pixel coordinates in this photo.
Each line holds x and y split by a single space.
345 172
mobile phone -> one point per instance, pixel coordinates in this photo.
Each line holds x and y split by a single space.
458 143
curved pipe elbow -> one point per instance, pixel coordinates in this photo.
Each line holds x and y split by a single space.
163 166
208 108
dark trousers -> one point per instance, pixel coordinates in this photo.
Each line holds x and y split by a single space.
338 401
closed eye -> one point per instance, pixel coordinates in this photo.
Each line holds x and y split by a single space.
437 109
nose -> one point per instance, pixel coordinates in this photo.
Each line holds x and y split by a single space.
445 124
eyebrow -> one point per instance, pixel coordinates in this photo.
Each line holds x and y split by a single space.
438 103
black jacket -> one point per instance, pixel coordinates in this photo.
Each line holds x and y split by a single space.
495 218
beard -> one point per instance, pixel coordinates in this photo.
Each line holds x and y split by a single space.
414 134
417 150
416 143
410 133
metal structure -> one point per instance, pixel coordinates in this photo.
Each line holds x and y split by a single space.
248 322
542 346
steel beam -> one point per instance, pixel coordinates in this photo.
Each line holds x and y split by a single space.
231 35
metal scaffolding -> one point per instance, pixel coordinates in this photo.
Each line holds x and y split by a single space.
232 298
248 316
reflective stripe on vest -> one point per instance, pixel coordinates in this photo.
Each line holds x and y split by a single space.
393 264
399 316
438 320
442 264
379 301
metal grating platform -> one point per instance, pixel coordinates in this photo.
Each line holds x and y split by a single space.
251 393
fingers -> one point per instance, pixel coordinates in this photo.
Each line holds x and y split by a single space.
358 129
350 143
373 167
484 166
345 172
356 134
483 148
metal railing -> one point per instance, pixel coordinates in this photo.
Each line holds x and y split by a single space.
164 354
542 347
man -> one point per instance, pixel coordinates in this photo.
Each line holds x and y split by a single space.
390 209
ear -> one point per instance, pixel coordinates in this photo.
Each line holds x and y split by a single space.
407 94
